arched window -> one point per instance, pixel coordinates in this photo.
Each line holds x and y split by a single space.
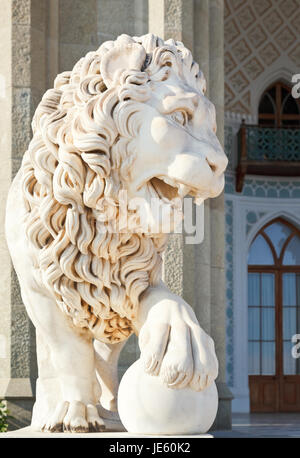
278 108
274 317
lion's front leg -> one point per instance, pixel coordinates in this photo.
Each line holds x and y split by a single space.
172 343
67 388
106 359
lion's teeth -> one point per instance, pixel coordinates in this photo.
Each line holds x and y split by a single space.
170 182
183 190
198 200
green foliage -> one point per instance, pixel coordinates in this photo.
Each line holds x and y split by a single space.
3 417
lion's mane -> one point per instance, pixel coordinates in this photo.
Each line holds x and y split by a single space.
78 160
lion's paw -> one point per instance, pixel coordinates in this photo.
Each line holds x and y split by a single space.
181 353
74 417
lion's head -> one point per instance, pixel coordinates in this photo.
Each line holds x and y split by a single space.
130 116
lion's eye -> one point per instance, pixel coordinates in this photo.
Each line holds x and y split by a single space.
180 117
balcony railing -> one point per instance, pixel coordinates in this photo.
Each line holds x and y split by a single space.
267 151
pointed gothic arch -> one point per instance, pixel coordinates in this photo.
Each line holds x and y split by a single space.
274 317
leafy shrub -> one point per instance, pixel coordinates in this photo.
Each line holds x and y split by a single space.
3 417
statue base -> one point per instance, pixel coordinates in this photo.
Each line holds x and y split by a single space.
28 432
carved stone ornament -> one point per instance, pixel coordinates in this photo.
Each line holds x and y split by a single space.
128 125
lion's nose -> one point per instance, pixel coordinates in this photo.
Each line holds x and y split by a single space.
217 161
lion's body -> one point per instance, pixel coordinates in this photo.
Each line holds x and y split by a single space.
130 116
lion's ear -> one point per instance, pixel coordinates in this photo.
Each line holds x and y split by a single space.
129 56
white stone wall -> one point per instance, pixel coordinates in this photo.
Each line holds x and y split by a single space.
262 200
262 45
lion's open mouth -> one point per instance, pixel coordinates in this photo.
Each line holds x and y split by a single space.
169 190
163 189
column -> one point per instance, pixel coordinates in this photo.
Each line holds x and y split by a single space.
5 178
217 215
202 278
23 51
121 16
77 31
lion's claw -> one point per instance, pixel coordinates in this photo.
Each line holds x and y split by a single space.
74 417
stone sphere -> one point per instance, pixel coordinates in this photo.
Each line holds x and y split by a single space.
147 406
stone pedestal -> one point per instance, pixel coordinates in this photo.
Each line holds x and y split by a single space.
28 433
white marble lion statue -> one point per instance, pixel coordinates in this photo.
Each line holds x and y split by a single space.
131 116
